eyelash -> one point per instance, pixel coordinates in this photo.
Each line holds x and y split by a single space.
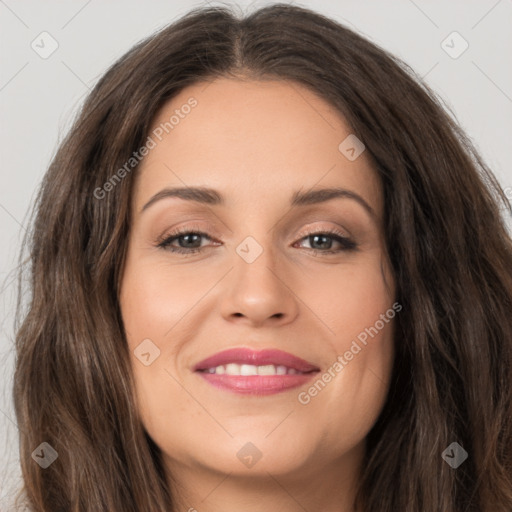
165 243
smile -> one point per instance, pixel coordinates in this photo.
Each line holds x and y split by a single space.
245 371
250 369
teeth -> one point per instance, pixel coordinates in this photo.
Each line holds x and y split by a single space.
281 370
250 369
232 369
268 369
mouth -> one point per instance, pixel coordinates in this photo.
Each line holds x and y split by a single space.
242 370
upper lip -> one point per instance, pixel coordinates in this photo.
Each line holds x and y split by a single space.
243 355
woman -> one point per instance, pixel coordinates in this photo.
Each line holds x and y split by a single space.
268 272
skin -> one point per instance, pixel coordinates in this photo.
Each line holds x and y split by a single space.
257 143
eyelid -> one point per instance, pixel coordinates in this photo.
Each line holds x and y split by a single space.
346 241
325 229
196 228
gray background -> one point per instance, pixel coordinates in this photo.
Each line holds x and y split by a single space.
38 98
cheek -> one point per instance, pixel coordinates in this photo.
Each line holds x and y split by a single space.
347 299
155 298
152 301
158 306
356 305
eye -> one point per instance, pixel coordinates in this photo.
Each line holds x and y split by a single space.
189 242
323 242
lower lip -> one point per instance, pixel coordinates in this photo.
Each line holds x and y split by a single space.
257 384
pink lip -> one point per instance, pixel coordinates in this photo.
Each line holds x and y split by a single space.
256 384
257 358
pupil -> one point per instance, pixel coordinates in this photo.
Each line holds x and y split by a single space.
186 237
326 241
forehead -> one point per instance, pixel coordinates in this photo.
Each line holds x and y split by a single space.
252 139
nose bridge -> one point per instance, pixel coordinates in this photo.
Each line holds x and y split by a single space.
255 265
258 291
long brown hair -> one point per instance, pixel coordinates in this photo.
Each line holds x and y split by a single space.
445 234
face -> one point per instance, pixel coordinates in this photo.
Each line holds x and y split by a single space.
264 262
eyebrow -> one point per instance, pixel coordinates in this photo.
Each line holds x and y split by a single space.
212 197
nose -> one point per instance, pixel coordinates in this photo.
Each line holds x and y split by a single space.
260 292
